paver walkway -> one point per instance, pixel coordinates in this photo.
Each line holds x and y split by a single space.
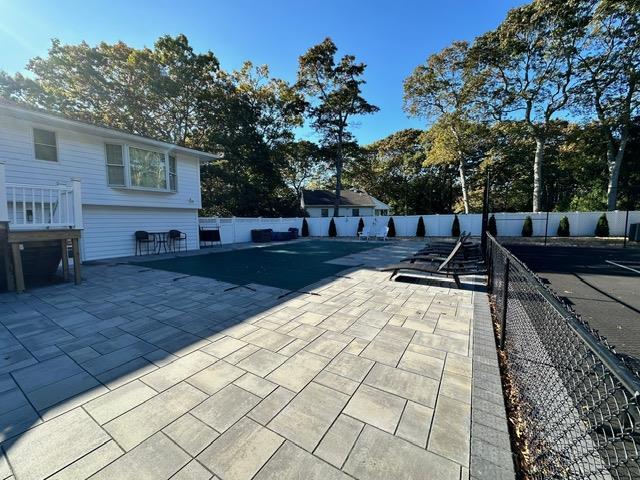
146 374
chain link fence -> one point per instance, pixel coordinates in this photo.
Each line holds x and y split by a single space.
577 411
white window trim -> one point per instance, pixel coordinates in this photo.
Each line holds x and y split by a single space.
107 165
172 154
127 167
33 143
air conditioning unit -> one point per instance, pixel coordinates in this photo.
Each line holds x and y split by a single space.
634 232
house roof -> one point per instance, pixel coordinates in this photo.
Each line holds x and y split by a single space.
25 112
352 198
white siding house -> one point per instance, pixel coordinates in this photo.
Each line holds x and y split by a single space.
127 182
353 203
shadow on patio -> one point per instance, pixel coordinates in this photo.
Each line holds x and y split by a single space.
143 373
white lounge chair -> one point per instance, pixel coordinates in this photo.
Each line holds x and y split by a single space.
382 233
365 233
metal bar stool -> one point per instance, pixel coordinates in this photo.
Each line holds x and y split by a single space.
176 237
143 238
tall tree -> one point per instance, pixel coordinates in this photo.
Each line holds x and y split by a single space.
462 147
609 65
335 97
153 92
530 60
300 162
443 90
278 106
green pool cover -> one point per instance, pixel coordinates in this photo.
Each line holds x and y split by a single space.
289 265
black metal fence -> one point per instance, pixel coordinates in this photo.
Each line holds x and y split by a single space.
577 406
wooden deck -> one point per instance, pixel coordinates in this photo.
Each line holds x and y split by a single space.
38 243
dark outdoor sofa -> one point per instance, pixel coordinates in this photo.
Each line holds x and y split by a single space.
268 235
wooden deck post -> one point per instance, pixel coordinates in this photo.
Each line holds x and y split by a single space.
5 257
18 274
77 274
65 259
4 229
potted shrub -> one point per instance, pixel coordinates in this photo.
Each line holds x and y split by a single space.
392 228
455 228
492 228
305 228
360 226
602 227
563 227
420 230
332 229
527 227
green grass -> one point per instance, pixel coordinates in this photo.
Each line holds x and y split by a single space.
289 265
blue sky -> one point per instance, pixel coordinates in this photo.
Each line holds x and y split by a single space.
391 37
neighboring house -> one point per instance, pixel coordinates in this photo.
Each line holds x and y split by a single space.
353 203
127 182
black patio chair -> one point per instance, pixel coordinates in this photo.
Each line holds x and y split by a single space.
176 237
143 238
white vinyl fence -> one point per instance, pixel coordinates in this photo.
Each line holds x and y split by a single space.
582 224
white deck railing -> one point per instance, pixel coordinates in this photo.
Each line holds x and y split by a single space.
40 207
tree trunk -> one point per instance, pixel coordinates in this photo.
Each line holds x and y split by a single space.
537 173
463 185
614 161
461 169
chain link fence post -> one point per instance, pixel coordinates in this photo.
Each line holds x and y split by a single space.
505 301
489 255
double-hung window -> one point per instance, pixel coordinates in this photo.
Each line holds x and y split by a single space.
45 145
140 168
115 165
173 173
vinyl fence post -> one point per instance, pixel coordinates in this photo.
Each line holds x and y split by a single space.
505 301
546 228
233 223
626 226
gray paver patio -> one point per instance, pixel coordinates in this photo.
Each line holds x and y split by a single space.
140 373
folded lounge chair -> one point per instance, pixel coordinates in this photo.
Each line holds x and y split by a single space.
468 251
442 246
449 267
382 233
365 233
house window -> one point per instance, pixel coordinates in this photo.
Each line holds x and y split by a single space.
45 146
324 212
147 169
135 167
355 212
115 165
173 173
